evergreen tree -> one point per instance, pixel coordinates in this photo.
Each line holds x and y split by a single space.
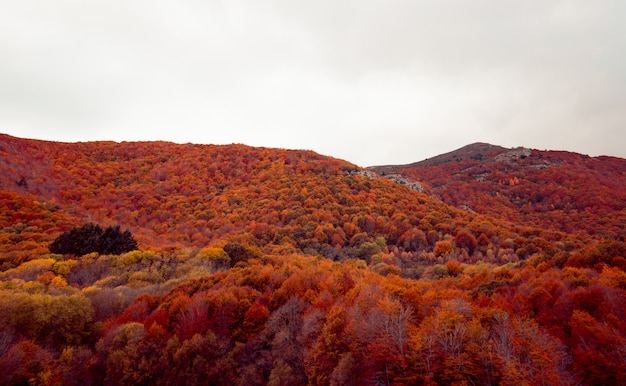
91 238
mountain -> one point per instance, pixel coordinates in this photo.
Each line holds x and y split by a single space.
272 266
474 151
195 195
555 190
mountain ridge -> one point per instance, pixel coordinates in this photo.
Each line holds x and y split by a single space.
520 185
528 186
195 195
474 150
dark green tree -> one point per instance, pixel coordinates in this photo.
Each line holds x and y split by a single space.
115 242
91 238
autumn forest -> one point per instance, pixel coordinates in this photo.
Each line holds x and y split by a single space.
153 263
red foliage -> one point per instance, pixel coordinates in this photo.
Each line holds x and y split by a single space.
561 191
261 305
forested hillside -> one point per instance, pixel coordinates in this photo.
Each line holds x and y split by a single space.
558 190
269 266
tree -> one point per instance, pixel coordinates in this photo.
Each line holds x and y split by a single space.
443 248
464 239
238 252
91 238
78 241
598 350
26 364
115 242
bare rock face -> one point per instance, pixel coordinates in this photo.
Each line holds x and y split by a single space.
362 173
513 155
403 180
397 178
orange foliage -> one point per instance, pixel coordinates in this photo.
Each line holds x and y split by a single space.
561 191
269 266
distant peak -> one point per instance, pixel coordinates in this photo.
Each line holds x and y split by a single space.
473 151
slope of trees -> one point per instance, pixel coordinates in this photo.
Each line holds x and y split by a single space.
557 190
269 266
193 195
27 224
299 320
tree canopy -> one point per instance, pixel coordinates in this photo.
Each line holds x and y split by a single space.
91 238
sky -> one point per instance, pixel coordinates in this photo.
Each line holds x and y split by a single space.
371 82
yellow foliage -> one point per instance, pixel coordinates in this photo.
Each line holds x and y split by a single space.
91 290
34 287
128 258
63 267
29 270
141 279
215 254
58 282
111 281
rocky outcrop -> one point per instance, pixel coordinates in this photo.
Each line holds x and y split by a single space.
397 178
513 155
402 180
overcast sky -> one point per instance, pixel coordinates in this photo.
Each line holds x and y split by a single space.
372 82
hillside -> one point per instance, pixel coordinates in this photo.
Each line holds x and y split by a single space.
196 195
557 190
265 266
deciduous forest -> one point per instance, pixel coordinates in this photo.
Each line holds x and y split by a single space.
153 263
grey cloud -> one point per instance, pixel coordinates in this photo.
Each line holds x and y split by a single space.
369 81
